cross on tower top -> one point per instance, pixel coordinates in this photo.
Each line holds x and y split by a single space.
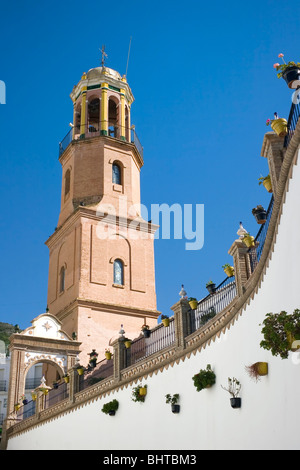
104 55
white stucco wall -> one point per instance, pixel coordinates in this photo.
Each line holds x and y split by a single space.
270 409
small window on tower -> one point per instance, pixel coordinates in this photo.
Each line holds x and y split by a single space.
67 182
116 174
118 272
62 279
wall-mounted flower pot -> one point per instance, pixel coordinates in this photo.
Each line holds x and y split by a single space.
80 370
262 368
291 75
175 408
165 321
267 184
112 413
211 288
146 333
17 407
236 402
279 126
66 379
25 401
108 355
291 339
127 344
143 391
55 385
193 304
34 396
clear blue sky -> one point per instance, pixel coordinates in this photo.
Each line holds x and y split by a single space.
203 80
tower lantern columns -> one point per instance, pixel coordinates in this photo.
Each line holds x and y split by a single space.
83 113
104 109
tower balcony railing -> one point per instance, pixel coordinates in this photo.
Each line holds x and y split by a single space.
96 129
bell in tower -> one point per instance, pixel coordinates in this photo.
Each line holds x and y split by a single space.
101 261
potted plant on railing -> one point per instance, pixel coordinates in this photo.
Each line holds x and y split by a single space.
139 393
107 354
93 358
211 287
33 395
204 379
290 72
248 240
260 214
55 384
234 387
80 369
266 182
66 378
24 400
127 343
173 399
229 270
281 333
111 407
17 406
257 370
193 303
146 331
165 320
279 125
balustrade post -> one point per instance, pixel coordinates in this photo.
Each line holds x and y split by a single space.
242 265
182 312
273 150
119 358
73 384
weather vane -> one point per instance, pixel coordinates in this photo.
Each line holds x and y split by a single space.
104 55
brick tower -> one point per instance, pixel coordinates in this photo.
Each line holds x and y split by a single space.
101 260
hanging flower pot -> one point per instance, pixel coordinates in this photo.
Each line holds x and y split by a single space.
290 72
165 320
127 343
279 126
211 287
33 396
193 303
66 379
146 331
260 214
80 370
248 240
257 370
229 270
107 354
17 406
266 182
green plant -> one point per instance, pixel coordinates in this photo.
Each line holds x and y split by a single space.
136 395
164 317
207 316
262 179
205 378
192 299
234 387
145 327
279 331
226 266
280 68
258 208
173 399
209 283
110 406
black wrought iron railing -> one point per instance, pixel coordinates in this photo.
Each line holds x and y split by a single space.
25 411
255 252
161 337
103 370
94 130
214 303
57 394
293 118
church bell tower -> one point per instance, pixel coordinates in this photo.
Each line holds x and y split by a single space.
101 255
